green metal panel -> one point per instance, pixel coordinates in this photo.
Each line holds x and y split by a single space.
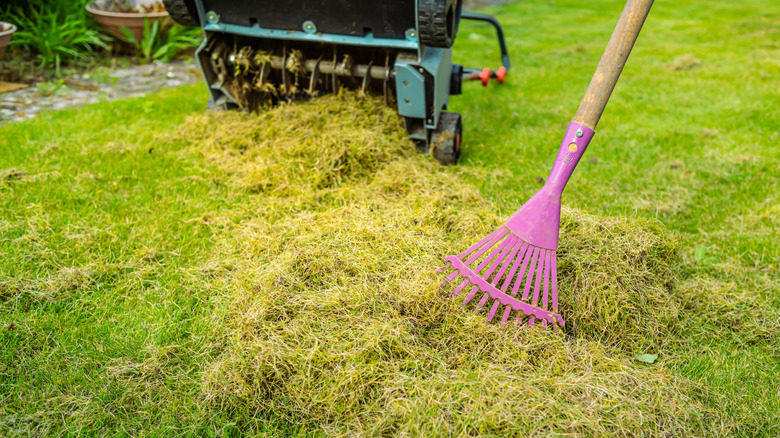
438 62
410 87
367 41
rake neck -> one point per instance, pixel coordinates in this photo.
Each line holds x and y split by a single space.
538 220
572 148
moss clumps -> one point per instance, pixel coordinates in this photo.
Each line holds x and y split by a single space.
333 319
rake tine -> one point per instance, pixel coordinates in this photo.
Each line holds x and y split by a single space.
497 235
482 302
486 247
506 262
470 295
493 310
554 282
538 283
494 265
546 295
515 265
449 278
458 289
521 274
519 319
491 256
487 238
507 312
501 259
529 279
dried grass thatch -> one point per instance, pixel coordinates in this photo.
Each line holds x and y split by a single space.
333 318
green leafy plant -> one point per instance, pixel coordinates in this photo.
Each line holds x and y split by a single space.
162 46
177 40
55 32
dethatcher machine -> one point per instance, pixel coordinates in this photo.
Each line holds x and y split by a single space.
264 51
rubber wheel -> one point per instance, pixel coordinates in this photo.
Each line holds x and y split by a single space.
183 12
437 22
446 141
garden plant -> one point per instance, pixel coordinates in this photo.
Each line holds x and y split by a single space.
61 33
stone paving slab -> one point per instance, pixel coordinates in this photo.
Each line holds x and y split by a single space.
83 89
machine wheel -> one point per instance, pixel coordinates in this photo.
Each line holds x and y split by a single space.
437 22
446 140
183 12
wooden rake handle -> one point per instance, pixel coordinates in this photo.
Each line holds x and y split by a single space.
612 62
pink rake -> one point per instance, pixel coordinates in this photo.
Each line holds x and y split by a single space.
518 262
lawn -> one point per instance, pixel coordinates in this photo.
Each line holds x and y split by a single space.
144 252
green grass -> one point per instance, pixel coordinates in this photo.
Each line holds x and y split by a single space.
108 224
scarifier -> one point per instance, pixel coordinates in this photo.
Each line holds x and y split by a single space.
524 248
269 51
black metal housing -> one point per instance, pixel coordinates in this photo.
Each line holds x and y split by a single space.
343 17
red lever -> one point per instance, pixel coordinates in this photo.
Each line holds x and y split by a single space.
501 75
485 76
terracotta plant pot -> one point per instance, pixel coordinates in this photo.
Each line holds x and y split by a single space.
112 22
6 30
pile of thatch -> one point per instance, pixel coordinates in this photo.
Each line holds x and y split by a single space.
333 318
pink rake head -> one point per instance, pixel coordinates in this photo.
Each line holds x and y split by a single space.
521 254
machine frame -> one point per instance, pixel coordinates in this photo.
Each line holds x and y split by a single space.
370 46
